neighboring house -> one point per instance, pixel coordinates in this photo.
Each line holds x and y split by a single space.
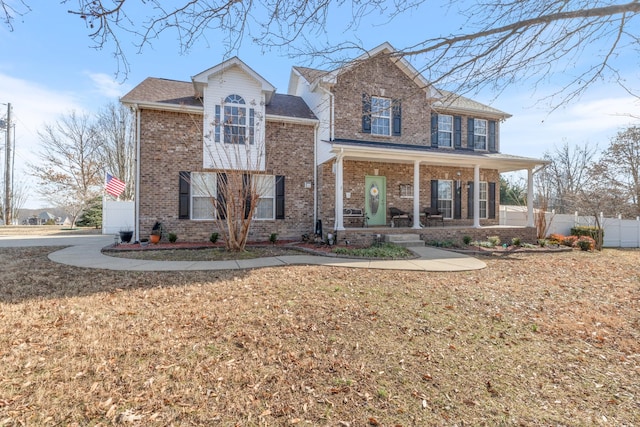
368 136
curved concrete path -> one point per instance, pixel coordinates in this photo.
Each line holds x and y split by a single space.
85 251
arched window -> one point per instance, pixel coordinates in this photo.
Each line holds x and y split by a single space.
236 121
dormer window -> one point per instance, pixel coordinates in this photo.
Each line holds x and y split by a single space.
235 121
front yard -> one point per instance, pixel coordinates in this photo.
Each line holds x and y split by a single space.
534 339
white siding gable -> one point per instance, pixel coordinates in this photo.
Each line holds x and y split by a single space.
220 155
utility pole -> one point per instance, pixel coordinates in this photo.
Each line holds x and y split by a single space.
7 171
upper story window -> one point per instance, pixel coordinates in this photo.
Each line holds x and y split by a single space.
236 120
380 116
480 134
445 130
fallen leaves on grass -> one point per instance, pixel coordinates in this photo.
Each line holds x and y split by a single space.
322 345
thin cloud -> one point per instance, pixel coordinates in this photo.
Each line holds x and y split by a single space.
107 86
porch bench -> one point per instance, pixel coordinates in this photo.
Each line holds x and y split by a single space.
433 214
396 213
355 213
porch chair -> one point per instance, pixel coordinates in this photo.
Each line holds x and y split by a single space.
399 213
433 214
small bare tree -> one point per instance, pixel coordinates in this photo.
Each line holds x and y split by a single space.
235 151
70 172
116 136
619 169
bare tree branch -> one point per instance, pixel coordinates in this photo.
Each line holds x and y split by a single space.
572 43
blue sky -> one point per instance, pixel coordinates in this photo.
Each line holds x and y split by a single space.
48 68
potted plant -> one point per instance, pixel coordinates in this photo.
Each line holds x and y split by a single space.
156 233
126 235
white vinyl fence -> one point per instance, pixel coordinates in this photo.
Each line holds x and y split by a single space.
117 216
618 232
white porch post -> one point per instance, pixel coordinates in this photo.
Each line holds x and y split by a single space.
339 223
530 222
416 194
476 196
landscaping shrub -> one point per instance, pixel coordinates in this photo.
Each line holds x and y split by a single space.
494 240
516 241
466 240
583 230
173 237
556 239
213 238
586 243
570 241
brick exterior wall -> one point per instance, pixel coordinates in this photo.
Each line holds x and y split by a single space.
378 76
396 174
171 142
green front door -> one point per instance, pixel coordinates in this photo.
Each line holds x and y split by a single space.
375 199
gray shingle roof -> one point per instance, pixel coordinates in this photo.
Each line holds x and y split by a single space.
163 91
173 92
289 106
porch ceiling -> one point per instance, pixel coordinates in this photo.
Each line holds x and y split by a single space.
396 153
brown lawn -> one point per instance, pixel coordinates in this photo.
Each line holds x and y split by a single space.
538 339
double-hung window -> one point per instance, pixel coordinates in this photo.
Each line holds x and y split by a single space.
265 187
203 193
483 200
445 130
480 134
445 198
380 116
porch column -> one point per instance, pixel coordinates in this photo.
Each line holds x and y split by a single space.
476 196
339 223
530 222
416 194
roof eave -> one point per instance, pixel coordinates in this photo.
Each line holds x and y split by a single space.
434 157
149 105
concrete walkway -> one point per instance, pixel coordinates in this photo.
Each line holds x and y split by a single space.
85 251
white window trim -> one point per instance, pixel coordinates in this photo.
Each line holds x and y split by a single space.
484 188
450 132
406 191
265 184
207 192
386 115
485 134
449 200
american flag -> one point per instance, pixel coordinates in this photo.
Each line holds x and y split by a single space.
114 186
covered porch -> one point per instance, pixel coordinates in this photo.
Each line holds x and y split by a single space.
356 164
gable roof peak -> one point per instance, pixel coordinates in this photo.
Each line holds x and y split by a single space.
201 79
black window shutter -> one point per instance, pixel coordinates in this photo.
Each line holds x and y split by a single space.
434 193
280 197
434 130
457 132
470 135
366 113
492 136
397 117
221 195
247 193
492 200
470 200
457 202
184 197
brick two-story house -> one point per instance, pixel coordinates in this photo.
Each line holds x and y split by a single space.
363 138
